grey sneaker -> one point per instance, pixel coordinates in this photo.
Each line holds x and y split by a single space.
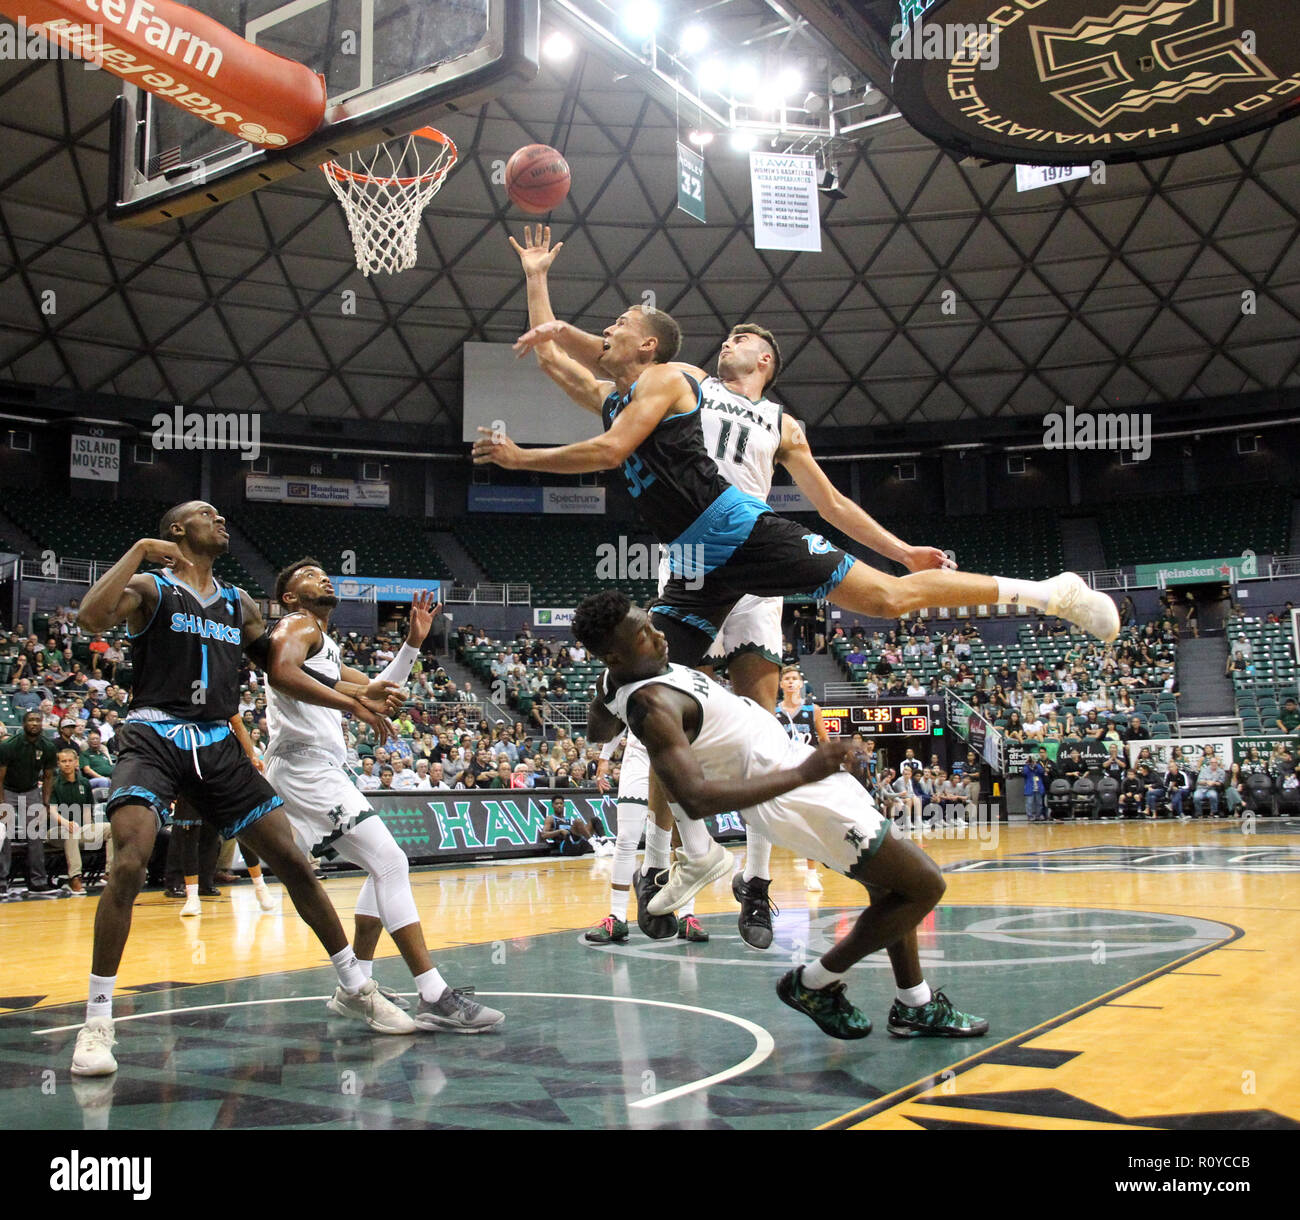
395 998
457 1012
370 1006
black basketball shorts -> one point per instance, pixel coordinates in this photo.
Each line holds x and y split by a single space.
779 558
207 767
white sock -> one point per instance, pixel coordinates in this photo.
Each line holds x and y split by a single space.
366 967
259 882
351 977
816 976
658 843
100 996
431 985
191 889
1032 593
696 840
915 997
618 904
758 856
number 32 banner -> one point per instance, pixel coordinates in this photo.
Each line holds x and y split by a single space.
690 182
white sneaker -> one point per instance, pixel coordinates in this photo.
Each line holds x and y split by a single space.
94 1053
688 876
265 899
813 882
370 1006
192 906
1072 600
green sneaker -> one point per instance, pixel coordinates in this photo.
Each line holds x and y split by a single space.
689 929
937 1019
608 931
828 1006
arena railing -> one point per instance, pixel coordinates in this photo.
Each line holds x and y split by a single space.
568 716
65 571
1284 565
489 594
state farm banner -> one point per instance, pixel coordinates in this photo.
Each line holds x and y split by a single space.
188 60
590 500
96 457
345 493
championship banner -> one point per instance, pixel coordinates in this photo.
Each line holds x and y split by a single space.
786 211
96 457
499 823
188 60
1197 571
343 493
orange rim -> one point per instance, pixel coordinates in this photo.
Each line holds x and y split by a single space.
425 133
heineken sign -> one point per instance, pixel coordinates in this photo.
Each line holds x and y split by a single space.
1197 571
1073 82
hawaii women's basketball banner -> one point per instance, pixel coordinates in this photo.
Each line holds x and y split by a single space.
186 59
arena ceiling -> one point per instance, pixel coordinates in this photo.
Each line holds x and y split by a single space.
1109 295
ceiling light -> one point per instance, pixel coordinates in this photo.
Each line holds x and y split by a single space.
641 18
872 96
701 139
789 82
742 141
840 84
744 79
695 37
557 47
814 103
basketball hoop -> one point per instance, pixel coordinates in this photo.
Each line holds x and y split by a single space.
385 190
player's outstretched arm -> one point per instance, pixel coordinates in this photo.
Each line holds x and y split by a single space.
837 509
656 717
120 595
661 391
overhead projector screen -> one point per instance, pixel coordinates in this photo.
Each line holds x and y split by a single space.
501 386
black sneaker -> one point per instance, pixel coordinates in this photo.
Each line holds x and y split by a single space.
828 1006
656 927
756 910
937 1019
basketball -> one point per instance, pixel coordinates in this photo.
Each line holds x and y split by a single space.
537 178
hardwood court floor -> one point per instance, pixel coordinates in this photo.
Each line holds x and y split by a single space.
1134 976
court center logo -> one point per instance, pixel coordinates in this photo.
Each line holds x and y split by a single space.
1184 47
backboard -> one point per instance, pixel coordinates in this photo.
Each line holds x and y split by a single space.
390 66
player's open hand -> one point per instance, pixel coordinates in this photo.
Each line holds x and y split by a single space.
826 759
159 550
536 255
545 333
496 448
423 611
926 558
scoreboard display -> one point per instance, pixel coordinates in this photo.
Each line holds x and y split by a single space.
884 720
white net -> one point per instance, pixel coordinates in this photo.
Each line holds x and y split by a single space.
384 191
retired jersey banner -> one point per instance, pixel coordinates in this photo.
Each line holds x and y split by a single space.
690 182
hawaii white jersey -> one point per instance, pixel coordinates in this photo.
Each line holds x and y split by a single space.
291 723
737 738
741 436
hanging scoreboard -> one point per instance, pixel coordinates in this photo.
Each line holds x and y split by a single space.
885 719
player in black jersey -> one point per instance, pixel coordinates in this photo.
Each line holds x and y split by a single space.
189 633
721 542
